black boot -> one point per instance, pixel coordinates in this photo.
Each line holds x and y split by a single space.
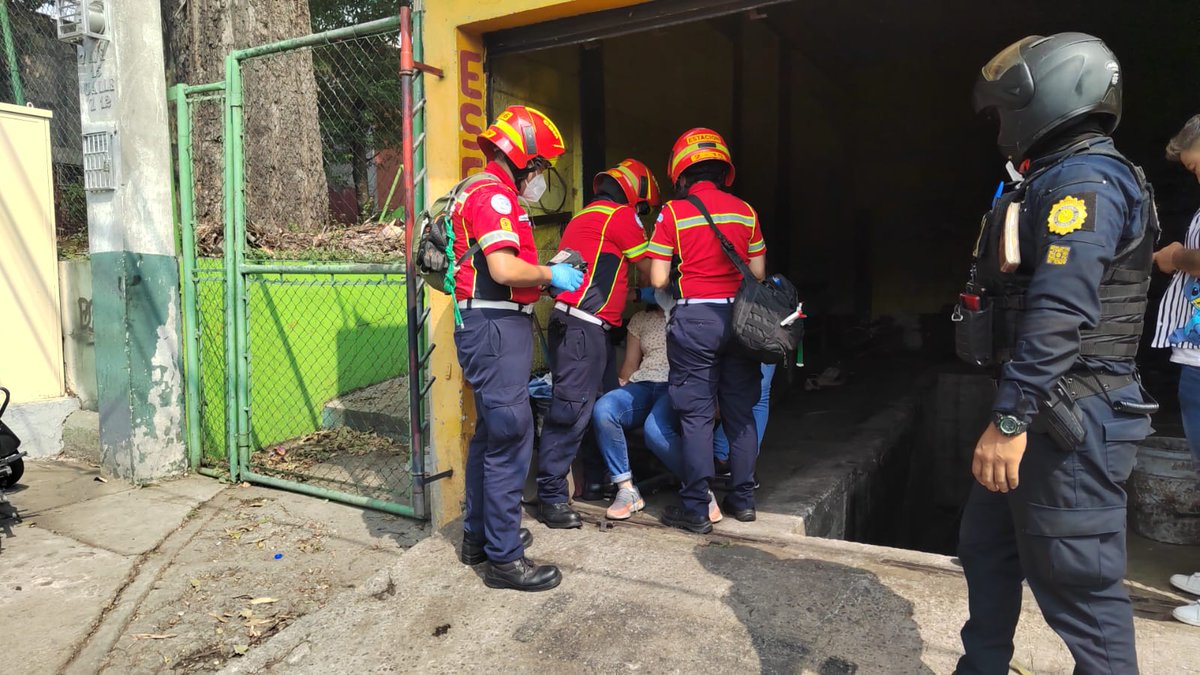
559 516
675 516
522 574
472 553
744 515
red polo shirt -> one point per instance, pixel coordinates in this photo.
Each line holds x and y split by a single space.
606 234
489 213
704 269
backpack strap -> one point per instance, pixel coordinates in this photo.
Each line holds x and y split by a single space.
726 245
458 196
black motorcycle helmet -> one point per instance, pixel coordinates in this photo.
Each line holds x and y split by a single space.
1039 85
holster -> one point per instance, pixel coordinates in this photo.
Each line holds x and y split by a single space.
1061 418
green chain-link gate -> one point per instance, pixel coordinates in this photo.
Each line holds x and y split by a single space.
306 357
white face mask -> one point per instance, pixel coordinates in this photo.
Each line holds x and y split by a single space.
534 189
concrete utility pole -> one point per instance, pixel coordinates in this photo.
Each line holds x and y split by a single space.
135 274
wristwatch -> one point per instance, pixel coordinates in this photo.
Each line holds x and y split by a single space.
1009 425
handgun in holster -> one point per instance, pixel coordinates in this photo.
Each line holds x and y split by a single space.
1061 418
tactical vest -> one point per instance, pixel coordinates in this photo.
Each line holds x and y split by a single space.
1122 289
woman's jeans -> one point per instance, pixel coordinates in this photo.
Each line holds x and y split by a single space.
721 443
630 407
1189 406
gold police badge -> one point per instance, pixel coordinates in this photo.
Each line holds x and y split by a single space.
1068 215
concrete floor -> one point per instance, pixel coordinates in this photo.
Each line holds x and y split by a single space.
102 577
638 598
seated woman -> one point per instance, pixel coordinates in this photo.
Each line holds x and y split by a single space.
641 401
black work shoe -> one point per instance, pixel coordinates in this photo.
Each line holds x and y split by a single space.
675 516
743 515
559 516
598 492
522 574
472 549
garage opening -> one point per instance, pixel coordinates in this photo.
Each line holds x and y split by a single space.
853 136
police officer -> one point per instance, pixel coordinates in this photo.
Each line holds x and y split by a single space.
705 366
495 290
607 234
1068 308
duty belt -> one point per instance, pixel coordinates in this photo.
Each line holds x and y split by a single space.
1081 384
704 301
475 303
580 314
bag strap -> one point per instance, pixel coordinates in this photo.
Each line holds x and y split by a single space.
7 396
460 190
726 245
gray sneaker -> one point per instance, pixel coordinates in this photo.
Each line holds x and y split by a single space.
627 502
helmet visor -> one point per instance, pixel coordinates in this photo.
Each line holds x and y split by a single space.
1005 60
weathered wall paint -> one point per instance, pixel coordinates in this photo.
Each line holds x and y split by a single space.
79 333
453 30
32 363
136 316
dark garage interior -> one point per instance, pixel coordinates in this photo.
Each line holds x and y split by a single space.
854 138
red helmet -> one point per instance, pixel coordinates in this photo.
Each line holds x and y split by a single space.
522 134
636 181
699 145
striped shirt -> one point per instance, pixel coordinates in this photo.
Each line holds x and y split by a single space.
1174 310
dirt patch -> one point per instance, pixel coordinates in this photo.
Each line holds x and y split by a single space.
300 455
264 559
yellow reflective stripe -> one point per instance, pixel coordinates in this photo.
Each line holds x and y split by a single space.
718 218
636 250
598 208
512 134
756 246
688 149
661 249
496 236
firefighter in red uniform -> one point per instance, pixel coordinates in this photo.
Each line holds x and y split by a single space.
495 290
607 233
705 365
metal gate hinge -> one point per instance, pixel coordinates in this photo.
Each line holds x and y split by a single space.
432 70
426 479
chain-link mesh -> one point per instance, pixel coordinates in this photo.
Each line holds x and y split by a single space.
205 149
322 130
329 386
327 350
36 69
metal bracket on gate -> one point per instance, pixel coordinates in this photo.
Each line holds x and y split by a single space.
426 479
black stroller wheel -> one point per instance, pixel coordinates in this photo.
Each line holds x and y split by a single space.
18 469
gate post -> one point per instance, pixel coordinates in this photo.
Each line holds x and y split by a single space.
135 274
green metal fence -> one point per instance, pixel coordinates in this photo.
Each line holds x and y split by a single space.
300 344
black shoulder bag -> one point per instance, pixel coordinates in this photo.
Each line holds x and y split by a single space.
759 307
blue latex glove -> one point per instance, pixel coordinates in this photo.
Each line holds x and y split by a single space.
565 277
646 295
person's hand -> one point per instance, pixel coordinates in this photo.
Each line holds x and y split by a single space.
622 381
1164 257
565 277
998 459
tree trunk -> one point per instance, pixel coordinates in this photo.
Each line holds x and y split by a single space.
360 172
284 172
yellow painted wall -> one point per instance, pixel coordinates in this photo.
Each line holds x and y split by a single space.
31 364
452 38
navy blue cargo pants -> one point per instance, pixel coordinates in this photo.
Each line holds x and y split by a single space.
1062 530
707 369
495 350
579 352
